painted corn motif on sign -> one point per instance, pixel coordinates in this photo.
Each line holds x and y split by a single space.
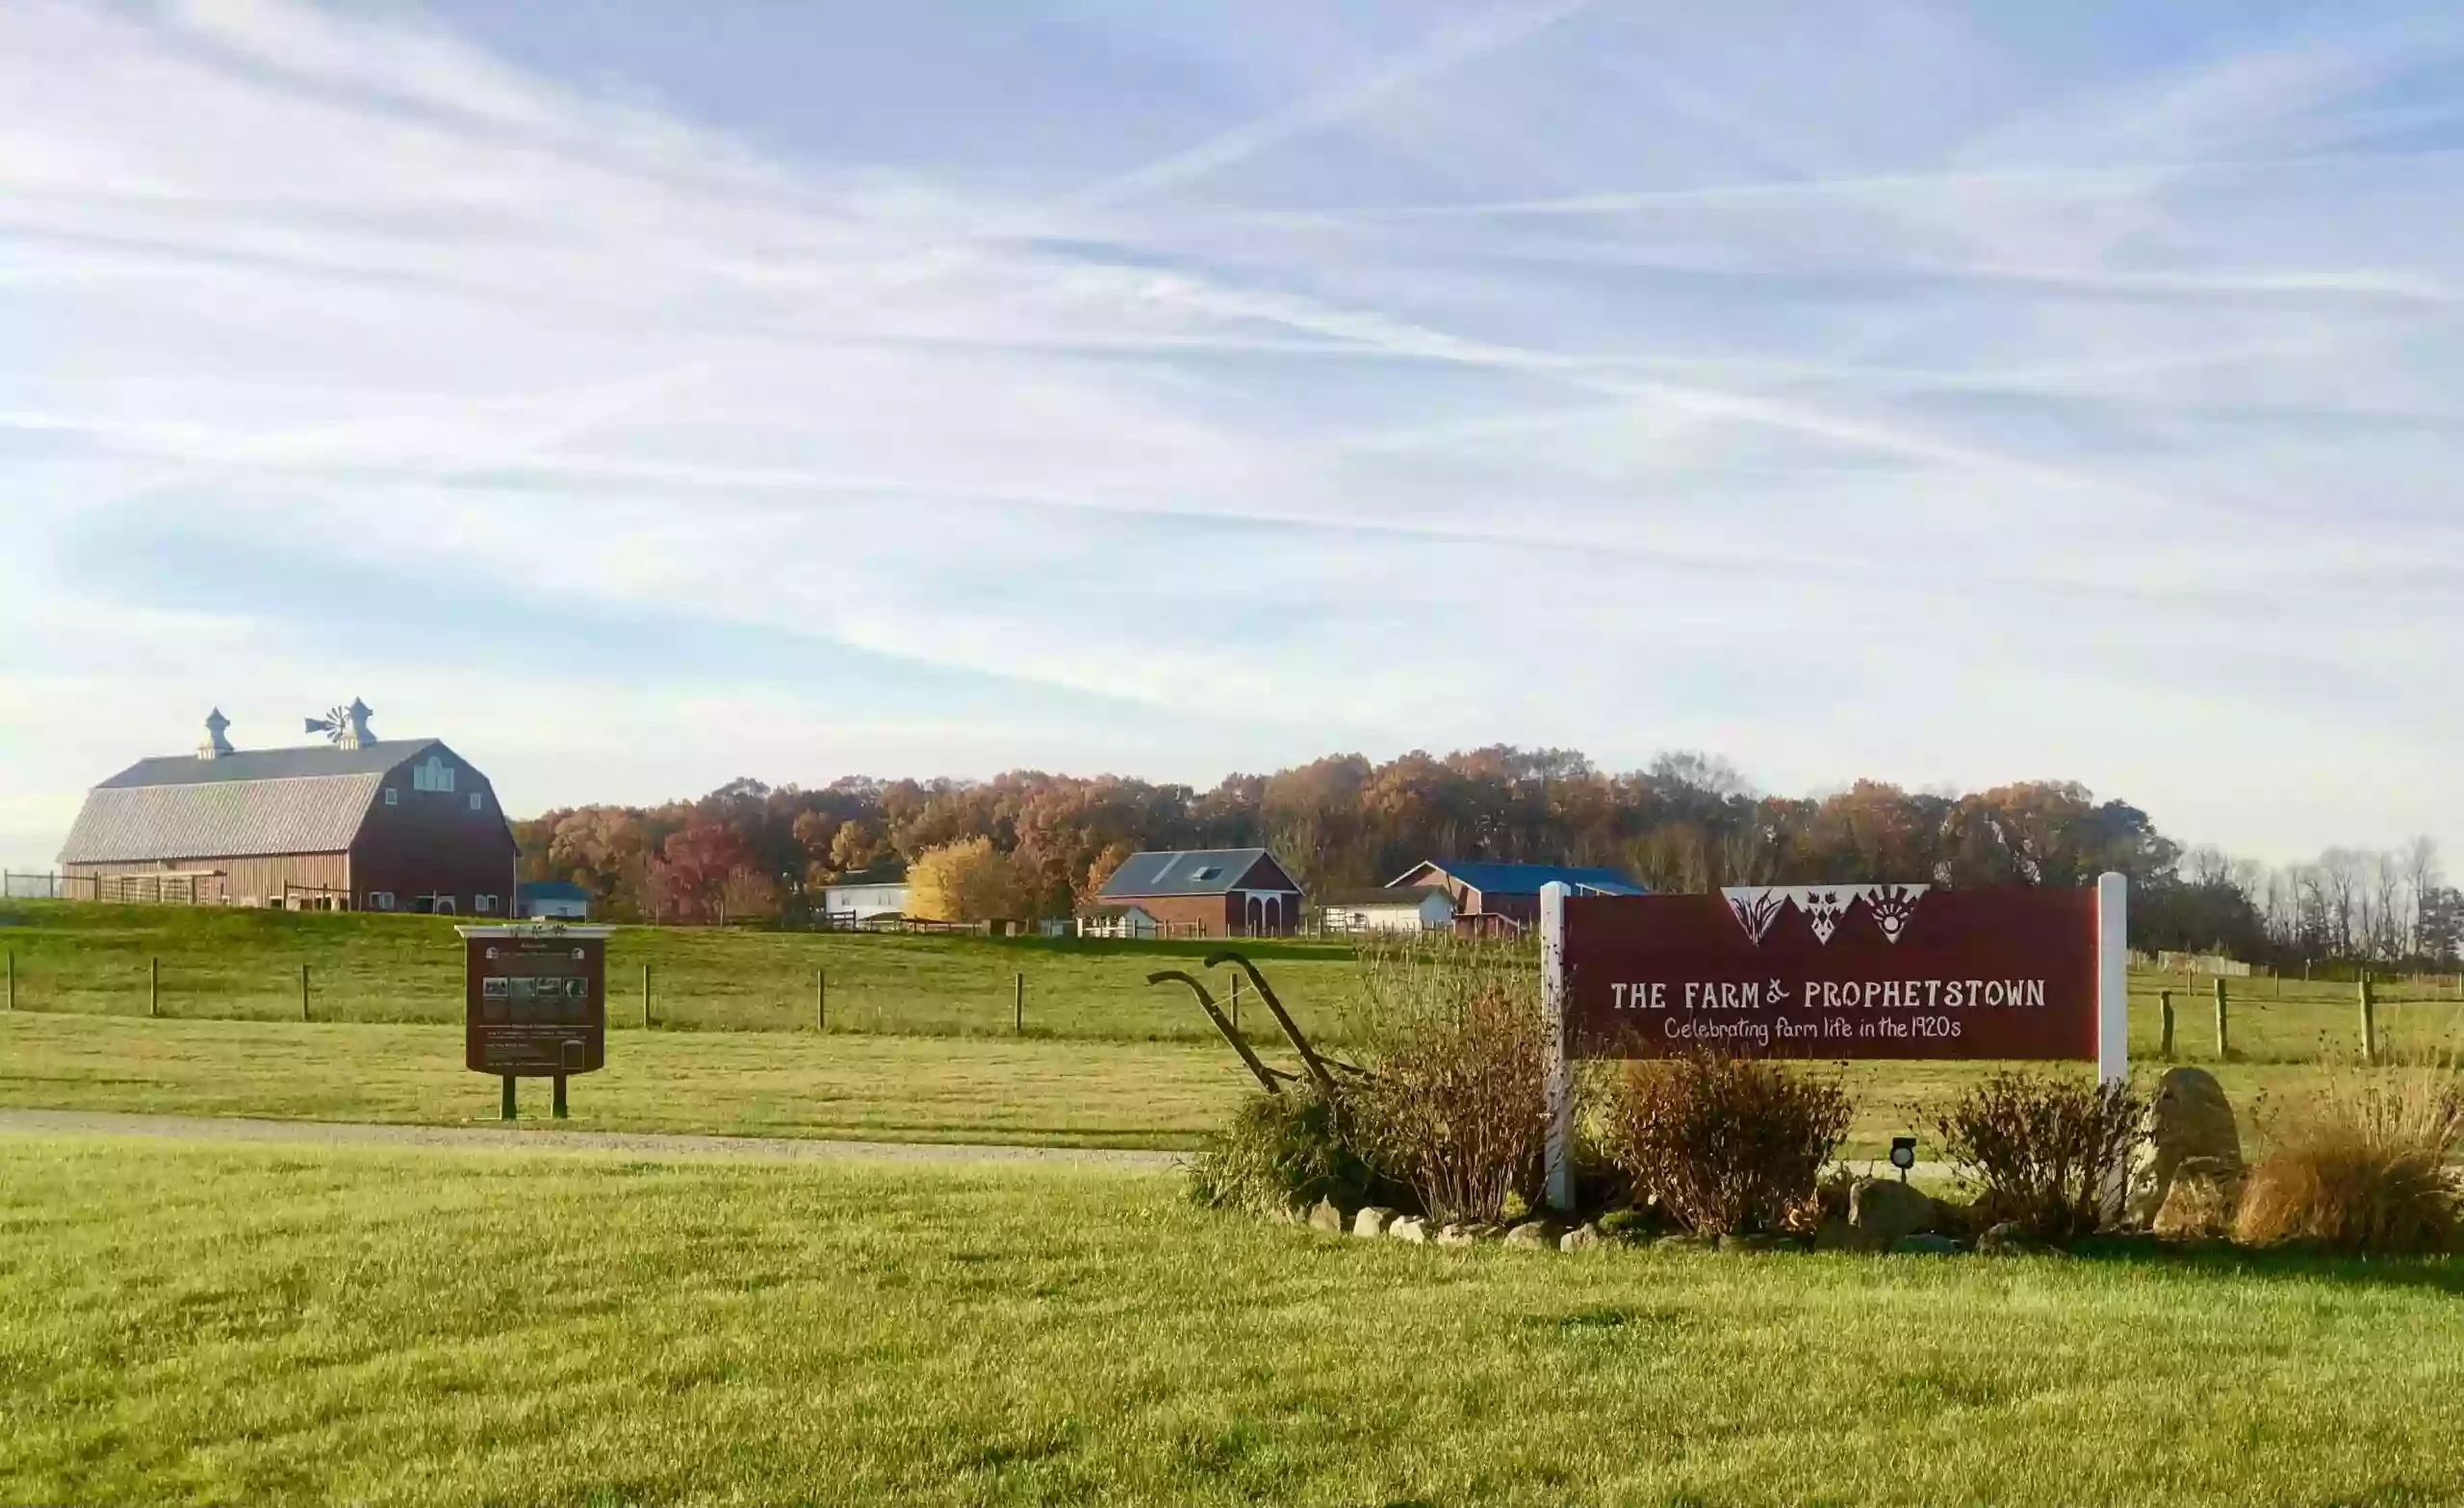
1834 971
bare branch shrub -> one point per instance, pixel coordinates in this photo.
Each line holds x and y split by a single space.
2043 1149
1456 1110
2364 1166
1724 1144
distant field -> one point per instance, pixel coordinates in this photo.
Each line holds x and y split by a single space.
185 1324
911 1089
244 963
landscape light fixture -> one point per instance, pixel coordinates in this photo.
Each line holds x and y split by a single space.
1903 1155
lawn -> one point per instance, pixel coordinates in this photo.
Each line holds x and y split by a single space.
244 963
900 1089
233 1324
903 1089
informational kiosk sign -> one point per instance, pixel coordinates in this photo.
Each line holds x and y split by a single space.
1832 972
536 1003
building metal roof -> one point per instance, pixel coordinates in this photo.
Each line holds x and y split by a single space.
269 764
1205 871
1527 878
257 802
221 819
550 890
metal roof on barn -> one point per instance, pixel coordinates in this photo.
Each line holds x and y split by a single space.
256 803
1527 878
1204 871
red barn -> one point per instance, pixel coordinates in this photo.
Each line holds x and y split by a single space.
357 823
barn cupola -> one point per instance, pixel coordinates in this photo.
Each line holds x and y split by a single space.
215 746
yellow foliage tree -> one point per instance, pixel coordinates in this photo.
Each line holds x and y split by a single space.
968 880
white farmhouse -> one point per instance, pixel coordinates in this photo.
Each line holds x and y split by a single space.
1395 909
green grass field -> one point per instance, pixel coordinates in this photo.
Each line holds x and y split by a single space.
185 1323
238 964
242 965
989 1089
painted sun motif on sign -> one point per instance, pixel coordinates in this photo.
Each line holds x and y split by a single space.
1893 907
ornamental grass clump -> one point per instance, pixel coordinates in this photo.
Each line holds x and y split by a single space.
2045 1150
1283 1152
2364 1167
1454 1107
1723 1145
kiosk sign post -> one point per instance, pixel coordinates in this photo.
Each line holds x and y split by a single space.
534 1004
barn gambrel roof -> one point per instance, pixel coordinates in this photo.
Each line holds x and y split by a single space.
261 801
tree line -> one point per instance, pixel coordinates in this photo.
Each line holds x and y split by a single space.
1036 844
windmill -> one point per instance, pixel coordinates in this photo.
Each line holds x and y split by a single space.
345 727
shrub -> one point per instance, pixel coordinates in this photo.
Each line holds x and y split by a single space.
2043 1149
1723 1144
1282 1151
2363 1168
1456 1108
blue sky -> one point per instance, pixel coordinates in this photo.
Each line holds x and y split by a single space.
639 395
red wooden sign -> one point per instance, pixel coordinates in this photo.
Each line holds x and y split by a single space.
1832 972
535 1000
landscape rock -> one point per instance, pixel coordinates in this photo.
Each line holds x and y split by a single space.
1372 1220
1582 1238
1539 1234
2009 1238
1466 1235
2189 1119
1926 1245
1327 1217
1409 1228
1882 1209
2204 1193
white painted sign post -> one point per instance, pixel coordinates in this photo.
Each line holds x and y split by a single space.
1560 1073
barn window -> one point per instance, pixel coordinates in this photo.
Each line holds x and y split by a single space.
432 774
484 905
393 796
476 803
380 900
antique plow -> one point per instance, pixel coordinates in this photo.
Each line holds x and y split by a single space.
1316 1063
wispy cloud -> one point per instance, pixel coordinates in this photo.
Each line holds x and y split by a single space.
1553 373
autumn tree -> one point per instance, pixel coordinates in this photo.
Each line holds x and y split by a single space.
968 880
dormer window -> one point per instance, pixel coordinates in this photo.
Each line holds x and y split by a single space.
432 774
1208 872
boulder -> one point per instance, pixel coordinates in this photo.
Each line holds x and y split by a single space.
2190 1119
1326 1215
2009 1238
2201 1198
1372 1220
1582 1238
1882 1209
1466 1235
1536 1234
1926 1245
1409 1228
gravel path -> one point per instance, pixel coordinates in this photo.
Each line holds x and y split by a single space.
215 1127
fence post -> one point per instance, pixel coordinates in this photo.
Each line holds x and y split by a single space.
13 979
2368 1021
2164 1007
1018 1008
2224 1026
154 986
821 1000
303 992
645 997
